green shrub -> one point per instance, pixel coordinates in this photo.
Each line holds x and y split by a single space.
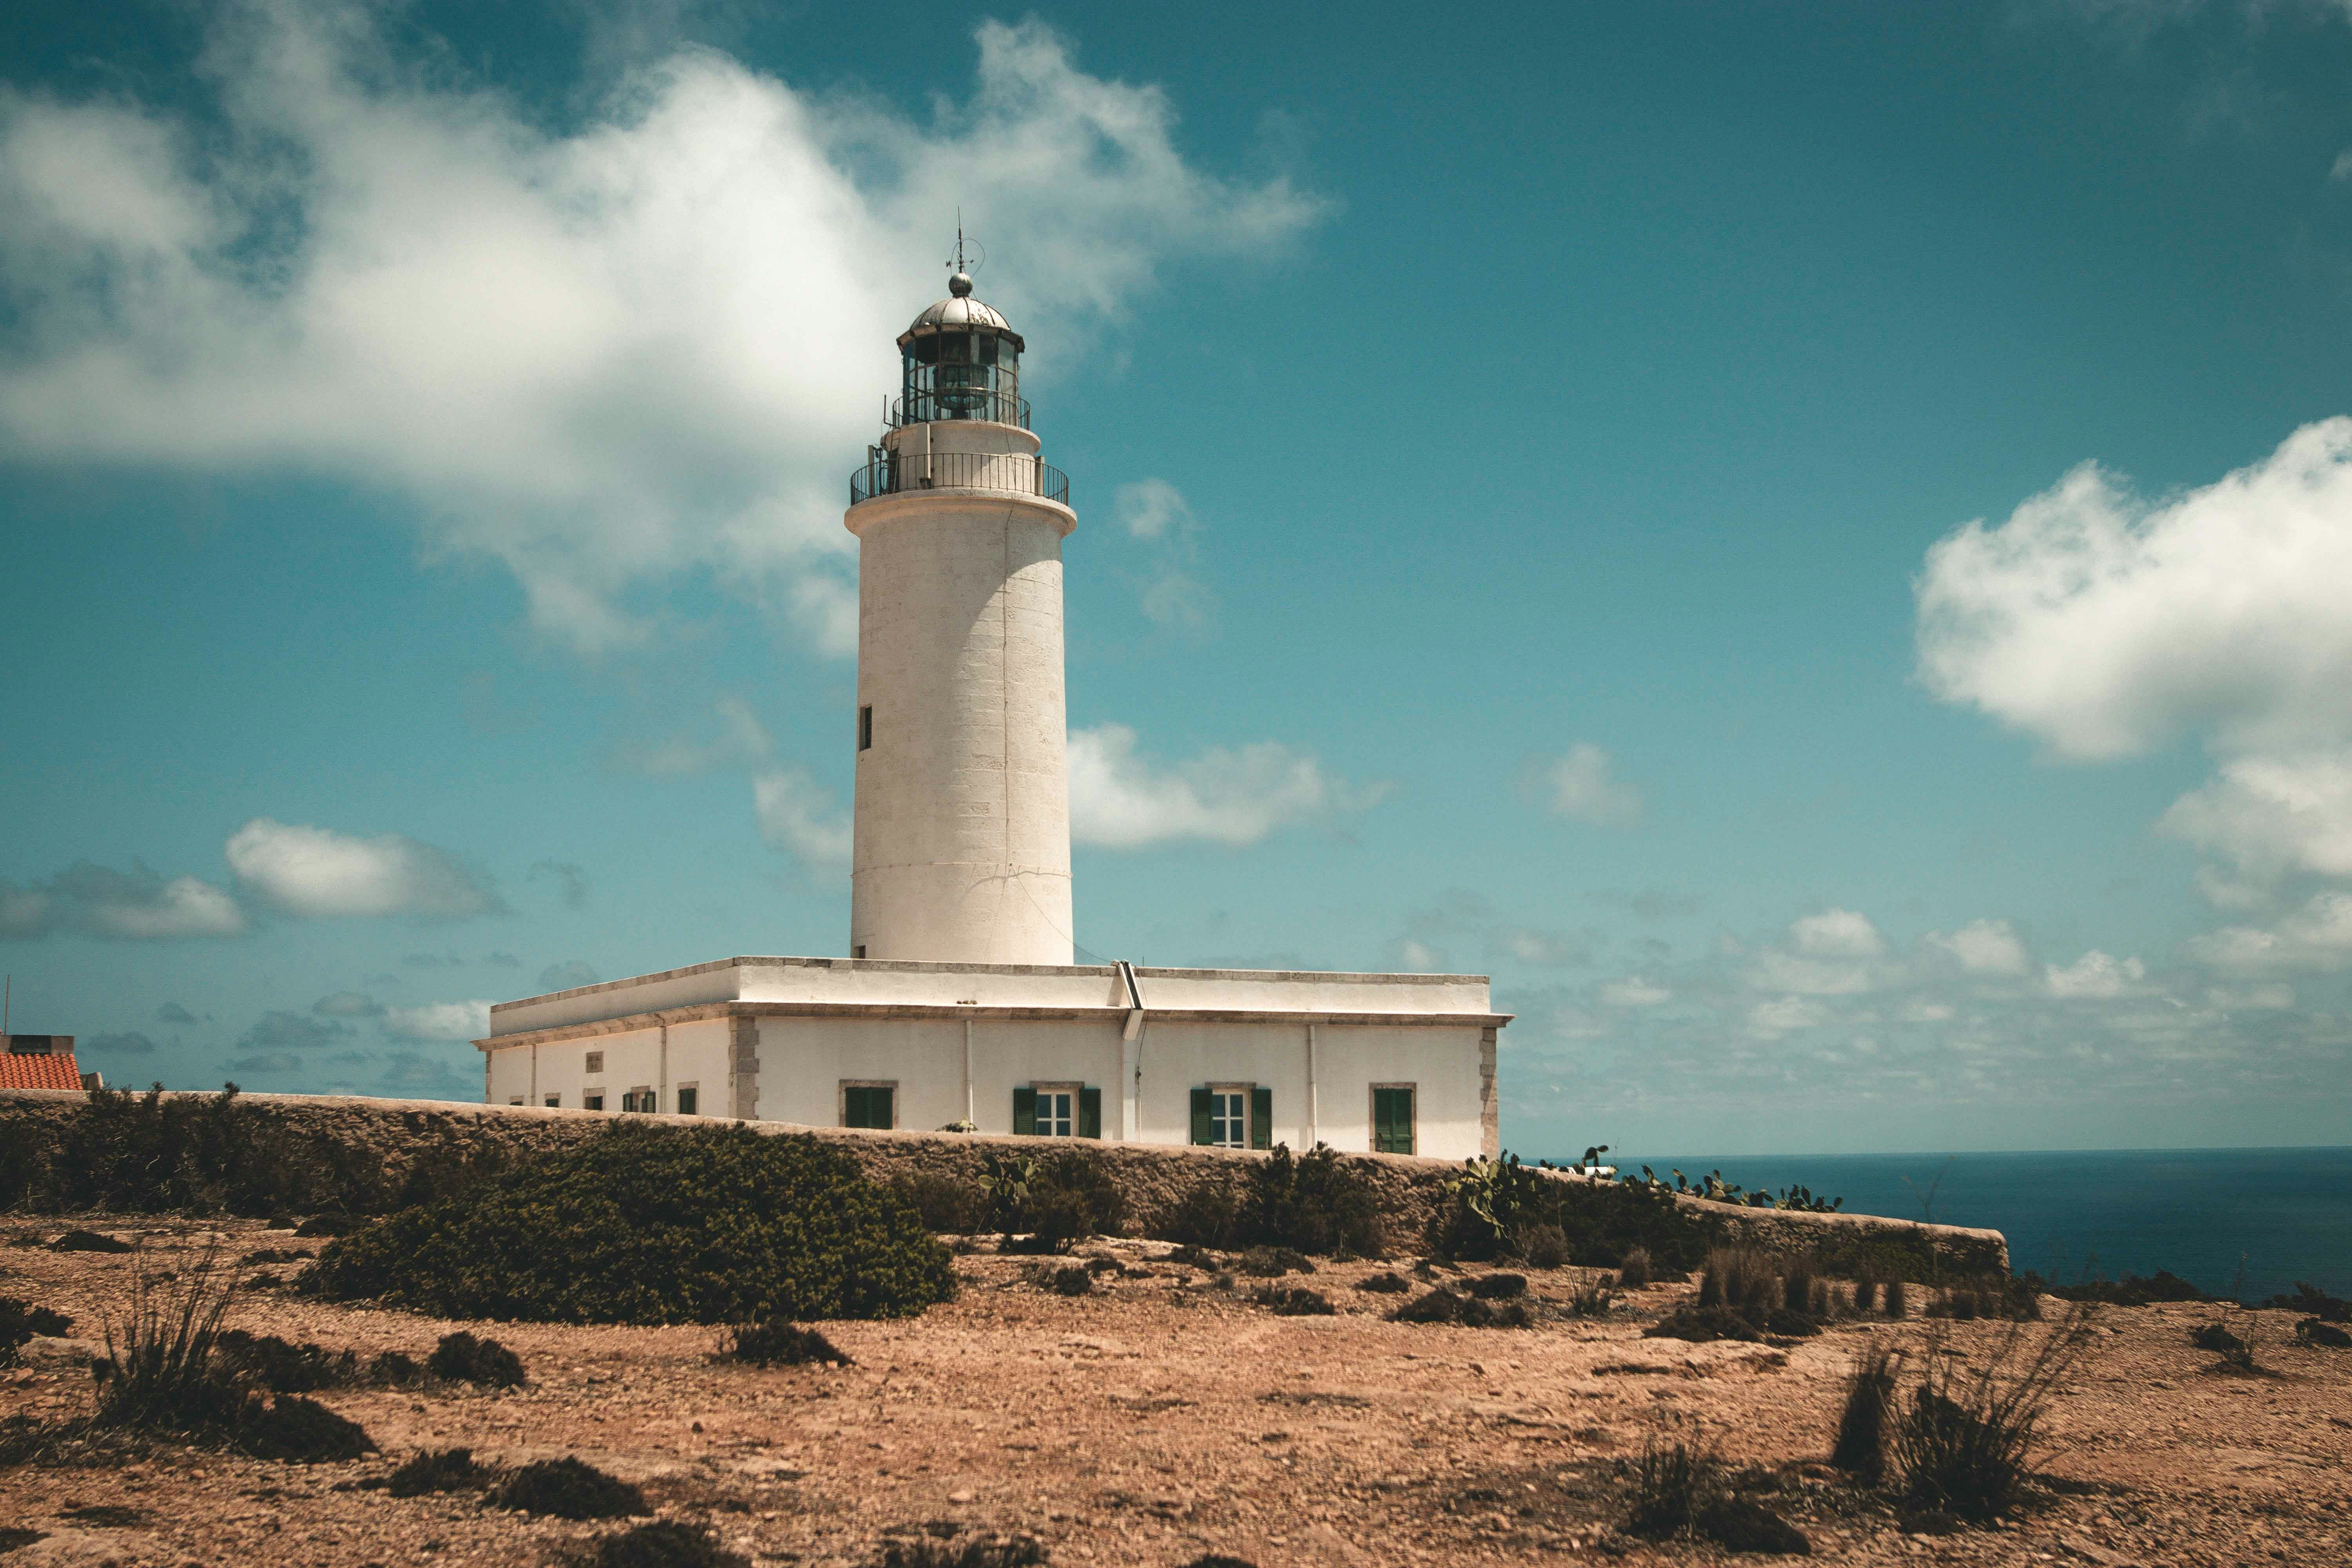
1448 1306
778 1344
662 1545
1209 1214
1544 1246
1964 1444
1318 1203
301 1431
1294 1301
462 1358
1385 1283
438 1471
2131 1290
1071 1197
1670 1486
568 1489
2312 1301
284 1368
947 1206
20 1321
1633 1269
970 1553
651 1225
1273 1262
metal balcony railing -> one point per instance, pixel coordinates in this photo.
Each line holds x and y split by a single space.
980 403
1007 473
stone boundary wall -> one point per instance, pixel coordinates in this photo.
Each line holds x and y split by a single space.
391 1136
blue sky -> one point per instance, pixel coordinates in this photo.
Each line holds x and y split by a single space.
1812 543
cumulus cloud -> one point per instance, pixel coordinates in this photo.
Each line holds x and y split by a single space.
137 905
1120 800
1583 786
304 871
2315 939
741 741
291 1031
1150 509
172 1013
2108 625
1985 947
603 355
2095 976
439 1021
1634 992
1837 934
798 816
348 1004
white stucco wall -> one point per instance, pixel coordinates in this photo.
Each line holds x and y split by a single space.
962 821
633 1059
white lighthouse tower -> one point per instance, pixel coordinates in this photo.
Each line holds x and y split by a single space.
963 799
961 1006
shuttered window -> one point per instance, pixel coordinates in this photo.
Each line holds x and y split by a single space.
689 1098
870 1105
1261 1133
1024 1112
1201 1116
1090 1113
1393 1118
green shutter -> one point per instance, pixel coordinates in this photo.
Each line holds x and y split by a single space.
1024 1113
1260 1117
1393 1121
1090 1113
885 1114
1199 1116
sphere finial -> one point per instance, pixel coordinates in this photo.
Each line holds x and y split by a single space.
960 284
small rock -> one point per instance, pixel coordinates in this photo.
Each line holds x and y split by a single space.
960 1495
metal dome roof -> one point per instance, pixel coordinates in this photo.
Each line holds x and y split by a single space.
960 312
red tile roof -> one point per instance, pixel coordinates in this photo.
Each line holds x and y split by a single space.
47 1070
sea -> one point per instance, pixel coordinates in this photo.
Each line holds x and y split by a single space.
2241 1223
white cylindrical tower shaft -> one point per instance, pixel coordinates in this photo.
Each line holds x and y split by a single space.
963 835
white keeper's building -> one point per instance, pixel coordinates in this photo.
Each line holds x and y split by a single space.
959 1002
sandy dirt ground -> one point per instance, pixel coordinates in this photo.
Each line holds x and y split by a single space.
1167 1417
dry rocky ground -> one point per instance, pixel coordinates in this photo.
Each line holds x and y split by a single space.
1166 1417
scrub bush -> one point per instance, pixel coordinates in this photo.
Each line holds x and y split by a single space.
301 1431
1443 1305
1320 1202
1295 1301
947 1206
650 1224
1386 1283
662 1545
438 1471
1966 1444
567 1488
970 1553
88 1241
20 1321
1543 1246
778 1344
1633 1267
284 1368
1273 1262
462 1358
1071 1197
1497 1286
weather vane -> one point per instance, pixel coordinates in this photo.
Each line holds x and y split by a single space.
959 268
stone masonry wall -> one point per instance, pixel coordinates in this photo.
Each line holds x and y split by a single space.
387 1138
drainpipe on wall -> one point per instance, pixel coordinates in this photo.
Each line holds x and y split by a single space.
967 1115
1313 1120
533 1099
1131 1055
661 1090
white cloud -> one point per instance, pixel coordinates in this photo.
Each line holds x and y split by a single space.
1419 958
1771 1020
2095 976
604 356
2268 998
2315 939
306 870
2106 625
1634 992
1985 947
137 905
1583 786
1837 934
1176 600
797 814
439 1021
742 742
348 1004
1149 509
2271 817
1119 800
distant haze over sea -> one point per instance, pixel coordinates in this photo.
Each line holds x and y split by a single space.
2070 1215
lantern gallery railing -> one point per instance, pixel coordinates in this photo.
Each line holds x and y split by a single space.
1009 473
982 402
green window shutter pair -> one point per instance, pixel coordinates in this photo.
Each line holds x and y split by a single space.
1199 1116
1024 1113
1260 1117
1393 1121
868 1105
1090 1113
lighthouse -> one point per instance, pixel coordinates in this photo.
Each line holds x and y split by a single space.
963 834
962 1006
